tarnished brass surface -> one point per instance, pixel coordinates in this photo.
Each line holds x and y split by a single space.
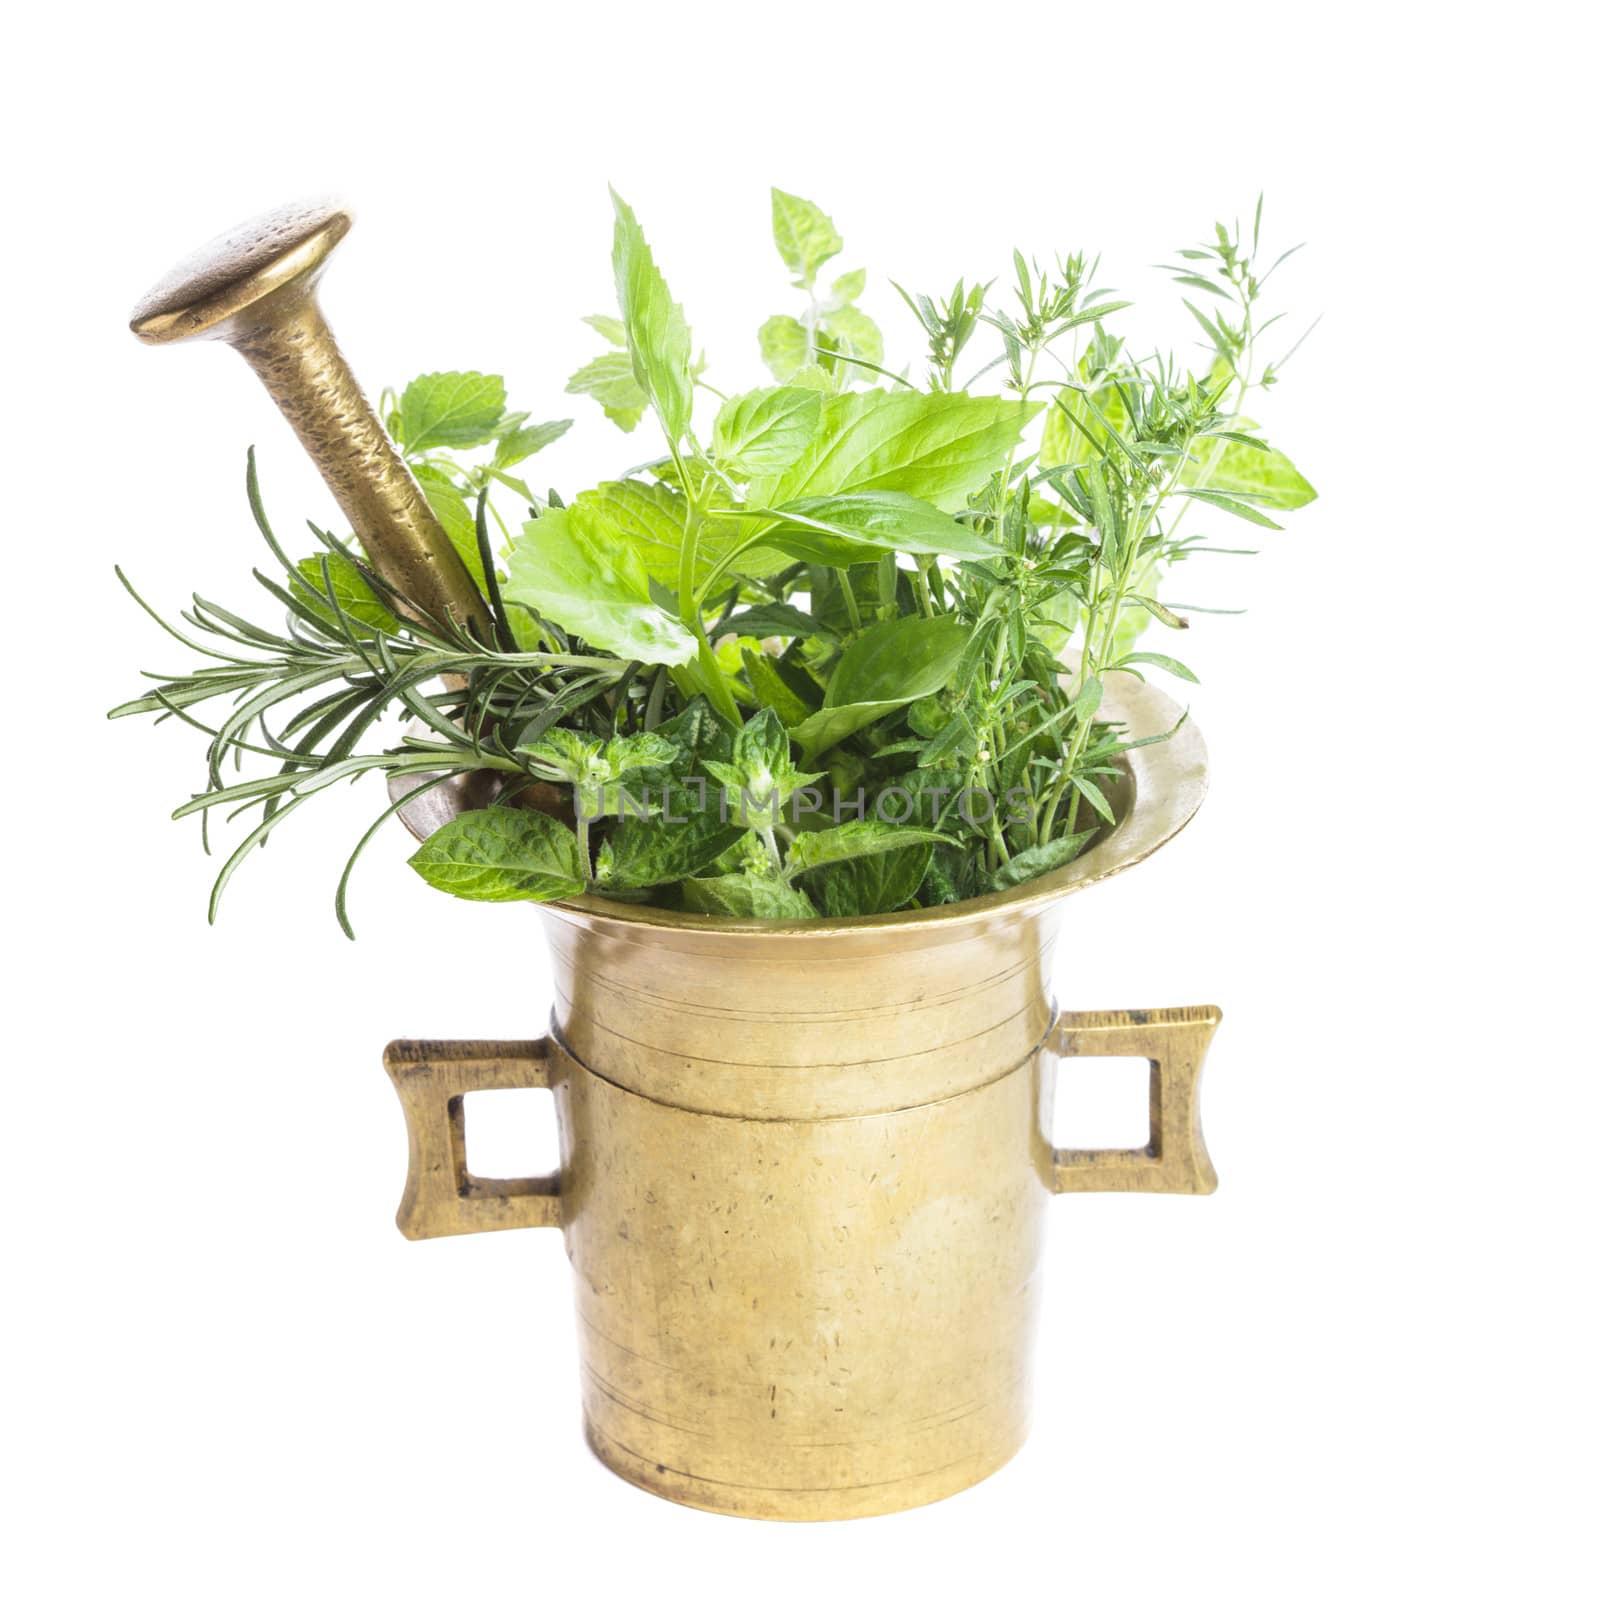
805 1166
255 288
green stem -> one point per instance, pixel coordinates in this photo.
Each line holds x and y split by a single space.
850 603
710 673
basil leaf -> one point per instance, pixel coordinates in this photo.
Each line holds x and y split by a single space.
881 519
772 622
766 429
658 335
825 728
1040 859
504 853
852 839
450 410
742 894
903 659
938 447
888 666
773 691
569 565
804 234
868 886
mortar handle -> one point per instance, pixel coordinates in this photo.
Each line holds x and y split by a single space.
432 1076
1174 1042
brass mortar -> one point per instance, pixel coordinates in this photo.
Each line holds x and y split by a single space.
805 1167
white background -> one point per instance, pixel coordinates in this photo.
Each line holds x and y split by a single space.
1366 1364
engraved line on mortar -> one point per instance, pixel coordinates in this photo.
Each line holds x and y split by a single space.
661 1419
785 1488
806 1122
657 1000
929 1424
875 1062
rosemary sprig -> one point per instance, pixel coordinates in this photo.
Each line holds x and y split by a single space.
333 672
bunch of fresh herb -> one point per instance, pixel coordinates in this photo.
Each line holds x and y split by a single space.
838 653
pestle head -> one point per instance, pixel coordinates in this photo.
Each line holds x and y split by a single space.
209 293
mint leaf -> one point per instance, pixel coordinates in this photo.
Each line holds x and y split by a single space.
855 333
846 289
658 335
504 853
455 516
870 885
566 755
609 328
610 380
1041 858
785 349
569 565
350 589
520 443
650 517
697 731
743 894
812 376
613 779
635 752
766 429
939 447
684 839
852 839
450 410
760 773
804 234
